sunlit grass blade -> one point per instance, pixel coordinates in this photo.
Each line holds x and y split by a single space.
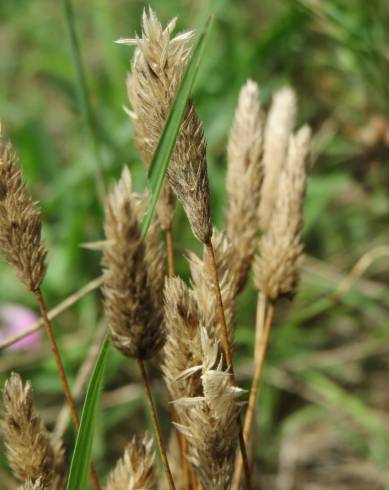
83 448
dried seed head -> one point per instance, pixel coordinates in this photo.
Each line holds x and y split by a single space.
29 485
244 178
210 422
20 223
131 274
30 452
182 350
157 69
279 126
276 270
202 283
136 469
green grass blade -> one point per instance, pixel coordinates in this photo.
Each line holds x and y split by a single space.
82 453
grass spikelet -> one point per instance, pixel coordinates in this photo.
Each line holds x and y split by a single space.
136 469
30 450
244 178
135 317
279 126
20 223
29 485
158 66
276 270
202 282
210 421
182 350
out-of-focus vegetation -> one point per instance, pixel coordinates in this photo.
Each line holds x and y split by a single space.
323 409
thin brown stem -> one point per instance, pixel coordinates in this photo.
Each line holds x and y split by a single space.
156 425
262 337
228 354
170 251
61 372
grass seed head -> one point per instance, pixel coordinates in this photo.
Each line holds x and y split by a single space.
244 178
276 269
157 69
132 273
136 469
30 450
279 126
210 421
20 223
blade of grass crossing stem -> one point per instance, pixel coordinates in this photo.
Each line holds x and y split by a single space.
83 448
82 452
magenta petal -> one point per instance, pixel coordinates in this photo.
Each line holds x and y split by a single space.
14 319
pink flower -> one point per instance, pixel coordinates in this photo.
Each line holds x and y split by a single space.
14 319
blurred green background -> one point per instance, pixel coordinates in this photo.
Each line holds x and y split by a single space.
323 411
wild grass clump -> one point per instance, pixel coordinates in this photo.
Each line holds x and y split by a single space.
187 329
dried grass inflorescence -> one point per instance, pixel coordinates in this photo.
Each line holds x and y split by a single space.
136 469
276 270
133 278
279 126
182 350
32 452
157 69
210 421
244 178
29 485
202 283
20 222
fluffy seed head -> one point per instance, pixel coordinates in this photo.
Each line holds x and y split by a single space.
244 177
29 485
157 70
276 269
279 126
30 450
132 303
20 223
182 350
210 421
136 469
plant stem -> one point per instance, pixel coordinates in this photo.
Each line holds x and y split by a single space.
227 353
170 251
82 92
263 327
156 425
61 372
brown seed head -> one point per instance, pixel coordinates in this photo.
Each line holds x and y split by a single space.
30 451
157 69
279 126
132 304
210 421
244 177
276 270
136 469
182 350
20 223
29 485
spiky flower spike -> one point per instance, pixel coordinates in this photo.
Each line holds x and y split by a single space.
279 127
136 469
210 421
202 282
182 350
30 451
244 177
132 303
20 223
276 270
29 485
157 69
